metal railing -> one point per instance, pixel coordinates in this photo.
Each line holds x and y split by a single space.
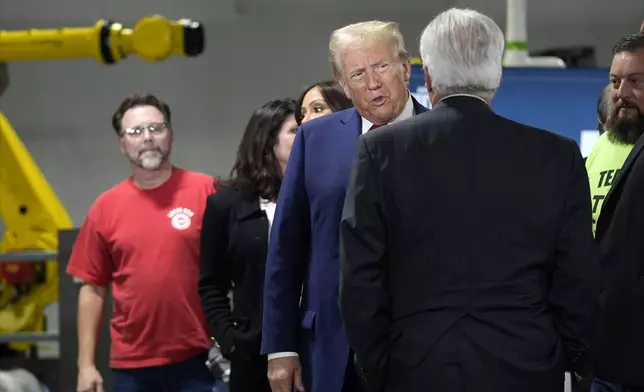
27 256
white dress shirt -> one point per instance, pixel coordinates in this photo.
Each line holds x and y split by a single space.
407 112
269 208
464 95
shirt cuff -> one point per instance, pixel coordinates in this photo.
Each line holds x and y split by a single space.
283 354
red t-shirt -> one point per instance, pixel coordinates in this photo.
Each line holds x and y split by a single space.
146 244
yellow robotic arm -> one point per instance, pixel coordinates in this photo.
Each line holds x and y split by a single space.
30 210
32 215
153 38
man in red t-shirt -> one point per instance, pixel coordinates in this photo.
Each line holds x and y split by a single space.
142 237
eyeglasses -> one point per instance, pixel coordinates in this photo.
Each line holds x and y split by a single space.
154 129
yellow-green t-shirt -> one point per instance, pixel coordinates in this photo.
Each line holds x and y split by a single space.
604 162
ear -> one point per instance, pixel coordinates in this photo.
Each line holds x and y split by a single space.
121 145
407 71
170 135
428 85
345 88
428 79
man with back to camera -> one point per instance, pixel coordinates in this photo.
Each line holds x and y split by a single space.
467 255
371 64
142 237
618 352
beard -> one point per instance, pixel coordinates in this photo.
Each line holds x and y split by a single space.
626 129
150 159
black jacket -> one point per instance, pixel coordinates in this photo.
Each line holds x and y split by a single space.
234 240
468 260
619 347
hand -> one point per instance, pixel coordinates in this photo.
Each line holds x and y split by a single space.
89 380
284 373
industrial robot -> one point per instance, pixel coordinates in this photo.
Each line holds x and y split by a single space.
30 211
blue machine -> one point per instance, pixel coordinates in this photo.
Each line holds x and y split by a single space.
559 100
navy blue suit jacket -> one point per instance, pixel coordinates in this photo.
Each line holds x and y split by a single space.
304 251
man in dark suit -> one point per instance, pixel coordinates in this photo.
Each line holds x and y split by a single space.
467 255
619 350
370 62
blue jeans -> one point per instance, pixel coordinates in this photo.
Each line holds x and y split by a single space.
604 386
191 375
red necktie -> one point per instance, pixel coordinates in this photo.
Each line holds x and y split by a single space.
374 126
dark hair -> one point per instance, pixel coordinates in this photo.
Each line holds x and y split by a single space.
256 168
630 43
139 100
604 106
332 94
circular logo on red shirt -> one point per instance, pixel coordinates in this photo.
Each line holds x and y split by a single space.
181 218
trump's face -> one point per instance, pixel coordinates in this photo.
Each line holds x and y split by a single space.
375 79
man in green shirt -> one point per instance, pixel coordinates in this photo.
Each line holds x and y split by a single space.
607 156
604 163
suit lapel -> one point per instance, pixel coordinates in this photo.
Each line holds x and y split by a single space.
350 126
343 144
346 134
248 206
418 108
352 120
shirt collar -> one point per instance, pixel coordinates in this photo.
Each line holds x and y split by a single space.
408 112
463 95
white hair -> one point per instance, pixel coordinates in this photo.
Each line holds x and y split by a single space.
369 33
19 380
462 50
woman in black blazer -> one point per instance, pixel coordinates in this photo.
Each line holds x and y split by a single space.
234 241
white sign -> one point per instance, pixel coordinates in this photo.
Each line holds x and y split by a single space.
587 140
422 97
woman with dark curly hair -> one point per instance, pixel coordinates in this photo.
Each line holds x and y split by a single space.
234 240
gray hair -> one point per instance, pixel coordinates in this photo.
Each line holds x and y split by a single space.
604 107
19 380
462 50
368 32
